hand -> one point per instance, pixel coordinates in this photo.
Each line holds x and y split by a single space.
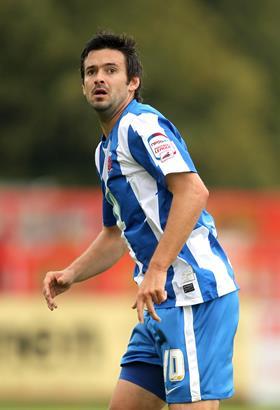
150 291
55 283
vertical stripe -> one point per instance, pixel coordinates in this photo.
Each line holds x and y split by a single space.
200 247
142 184
97 157
105 164
191 354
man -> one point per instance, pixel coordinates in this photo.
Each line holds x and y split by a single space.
154 203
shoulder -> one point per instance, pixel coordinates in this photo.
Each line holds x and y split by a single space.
142 120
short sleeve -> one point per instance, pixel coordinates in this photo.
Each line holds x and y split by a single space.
108 216
158 146
107 211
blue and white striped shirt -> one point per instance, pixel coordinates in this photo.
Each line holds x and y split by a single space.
142 148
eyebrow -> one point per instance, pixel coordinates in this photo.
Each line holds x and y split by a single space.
103 65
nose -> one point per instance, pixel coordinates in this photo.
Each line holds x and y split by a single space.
98 81
98 78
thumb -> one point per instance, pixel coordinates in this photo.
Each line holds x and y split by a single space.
61 280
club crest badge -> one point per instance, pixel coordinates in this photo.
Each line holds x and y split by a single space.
110 163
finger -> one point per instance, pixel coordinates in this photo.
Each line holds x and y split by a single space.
151 310
134 305
161 296
140 310
52 306
155 298
49 299
51 303
46 293
60 281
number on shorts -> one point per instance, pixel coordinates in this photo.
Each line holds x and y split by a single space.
174 365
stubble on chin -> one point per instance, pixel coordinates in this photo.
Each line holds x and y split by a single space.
105 112
100 107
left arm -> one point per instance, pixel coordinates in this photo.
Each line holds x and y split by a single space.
189 199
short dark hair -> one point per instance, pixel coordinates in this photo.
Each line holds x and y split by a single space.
123 43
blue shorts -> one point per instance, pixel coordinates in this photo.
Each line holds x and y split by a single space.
187 356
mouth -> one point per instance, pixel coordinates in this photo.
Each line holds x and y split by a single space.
99 91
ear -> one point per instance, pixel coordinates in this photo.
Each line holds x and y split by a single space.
134 83
83 89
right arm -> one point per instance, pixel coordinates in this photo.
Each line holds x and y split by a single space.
105 250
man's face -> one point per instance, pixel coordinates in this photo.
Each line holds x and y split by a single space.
105 85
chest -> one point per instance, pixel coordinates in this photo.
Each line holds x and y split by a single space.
117 165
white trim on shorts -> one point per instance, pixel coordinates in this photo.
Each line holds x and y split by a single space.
191 354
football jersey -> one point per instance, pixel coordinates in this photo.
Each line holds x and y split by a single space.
142 148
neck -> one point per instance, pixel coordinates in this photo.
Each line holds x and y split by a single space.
107 122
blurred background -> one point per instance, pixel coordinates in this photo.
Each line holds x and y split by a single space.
212 67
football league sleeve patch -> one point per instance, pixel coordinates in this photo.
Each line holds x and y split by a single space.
162 144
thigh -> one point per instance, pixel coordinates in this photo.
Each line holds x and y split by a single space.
146 375
130 396
199 405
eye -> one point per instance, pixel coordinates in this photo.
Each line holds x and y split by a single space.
111 70
90 72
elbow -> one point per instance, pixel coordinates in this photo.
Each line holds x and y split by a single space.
205 196
202 195
200 191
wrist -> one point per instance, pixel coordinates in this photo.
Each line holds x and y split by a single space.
157 266
72 274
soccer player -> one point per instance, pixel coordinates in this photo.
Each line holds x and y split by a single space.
154 202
